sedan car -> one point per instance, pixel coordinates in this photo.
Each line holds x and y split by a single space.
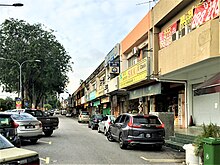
94 121
137 129
83 116
104 124
9 154
28 127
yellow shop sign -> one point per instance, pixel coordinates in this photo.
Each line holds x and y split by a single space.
135 74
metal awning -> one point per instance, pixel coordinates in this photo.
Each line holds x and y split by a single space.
211 85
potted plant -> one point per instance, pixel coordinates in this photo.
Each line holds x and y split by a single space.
210 130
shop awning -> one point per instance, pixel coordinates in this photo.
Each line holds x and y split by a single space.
211 85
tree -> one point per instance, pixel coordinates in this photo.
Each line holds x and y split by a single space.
22 41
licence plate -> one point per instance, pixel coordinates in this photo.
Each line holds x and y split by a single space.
29 126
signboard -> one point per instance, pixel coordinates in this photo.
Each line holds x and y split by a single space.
112 54
134 74
186 19
165 37
205 12
114 67
18 103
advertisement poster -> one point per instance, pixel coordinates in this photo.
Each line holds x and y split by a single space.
205 12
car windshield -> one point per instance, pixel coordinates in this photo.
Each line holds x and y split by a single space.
5 121
145 120
23 116
85 113
99 116
4 143
112 118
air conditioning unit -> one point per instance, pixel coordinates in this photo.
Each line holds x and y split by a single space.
135 51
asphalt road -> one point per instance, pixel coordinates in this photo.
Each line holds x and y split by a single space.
75 143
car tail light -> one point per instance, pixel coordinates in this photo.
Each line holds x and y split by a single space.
161 126
131 124
40 124
15 125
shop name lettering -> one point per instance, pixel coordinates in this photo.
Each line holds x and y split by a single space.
208 10
136 70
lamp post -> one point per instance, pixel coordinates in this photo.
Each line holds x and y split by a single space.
14 4
20 66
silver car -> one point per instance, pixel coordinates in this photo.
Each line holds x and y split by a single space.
28 127
105 123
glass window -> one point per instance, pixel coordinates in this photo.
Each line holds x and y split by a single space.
4 143
145 120
118 119
22 116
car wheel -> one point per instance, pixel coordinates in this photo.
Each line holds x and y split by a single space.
105 131
89 125
48 133
121 142
92 126
33 141
109 136
99 130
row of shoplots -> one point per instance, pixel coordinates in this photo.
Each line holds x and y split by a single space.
169 62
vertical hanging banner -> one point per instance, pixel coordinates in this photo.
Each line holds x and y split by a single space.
208 10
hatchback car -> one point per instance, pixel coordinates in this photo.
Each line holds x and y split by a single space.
83 117
94 121
28 127
137 129
104 124
9 154
8 129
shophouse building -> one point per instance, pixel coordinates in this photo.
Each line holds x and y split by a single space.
188 53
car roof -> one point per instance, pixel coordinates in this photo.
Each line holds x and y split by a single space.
138 114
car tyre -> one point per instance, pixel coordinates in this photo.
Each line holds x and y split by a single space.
48 133
99 130
92 127
122 144
33 141
89 125
109 136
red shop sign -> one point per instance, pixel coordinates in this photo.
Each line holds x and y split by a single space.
205 12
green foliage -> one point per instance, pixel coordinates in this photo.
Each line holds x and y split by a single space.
6 104
21 41
47 106
211 130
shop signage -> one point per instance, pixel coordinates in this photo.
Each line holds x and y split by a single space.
134 74
112 54
165 37
96 103
186 19
114 67
100 92
208 10
92 95
105 100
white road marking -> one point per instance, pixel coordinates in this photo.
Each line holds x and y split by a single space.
47 160
163 160
45 142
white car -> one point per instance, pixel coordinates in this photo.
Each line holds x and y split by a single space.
9 154
83 117
105 123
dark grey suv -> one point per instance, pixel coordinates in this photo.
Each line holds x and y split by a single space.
137 129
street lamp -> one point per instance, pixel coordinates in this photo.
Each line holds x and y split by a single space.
20 66
14 4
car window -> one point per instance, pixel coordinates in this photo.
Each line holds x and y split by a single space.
5 121
118 119
22 116
4 143
112 118
145 120
127 118
99 116
39 114
85 113
122 119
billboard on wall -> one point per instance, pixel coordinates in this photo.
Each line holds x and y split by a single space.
112 54
208 10
135 74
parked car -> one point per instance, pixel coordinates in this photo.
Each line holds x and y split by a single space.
137 129
28 127
63 112
9 154
57 111
83 116
8 129
94 121
49 123
104 124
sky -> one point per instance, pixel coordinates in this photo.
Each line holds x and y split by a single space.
88 29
